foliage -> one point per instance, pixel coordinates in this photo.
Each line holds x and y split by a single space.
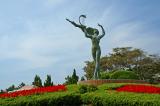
104 96
82 78
37 81
123 75
112 98
1 91
148 67
11 88
21 85
110 86
105 75
88 69
72 79
133 59
87 88
47 99
48 81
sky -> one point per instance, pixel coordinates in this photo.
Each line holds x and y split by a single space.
35 38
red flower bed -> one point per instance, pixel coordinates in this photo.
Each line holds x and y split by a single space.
34 91
139 89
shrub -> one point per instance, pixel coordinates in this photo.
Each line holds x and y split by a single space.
120 99
123 75
87 88
48 99
104 75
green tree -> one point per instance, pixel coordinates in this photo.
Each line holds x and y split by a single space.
1 91
148 67
48 81
72 79
82 78
37 81
11 88
21 85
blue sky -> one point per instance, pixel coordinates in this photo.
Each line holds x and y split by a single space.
35 38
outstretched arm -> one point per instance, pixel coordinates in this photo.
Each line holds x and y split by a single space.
76 25
103 32
73 23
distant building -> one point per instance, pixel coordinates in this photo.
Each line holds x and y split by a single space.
27 87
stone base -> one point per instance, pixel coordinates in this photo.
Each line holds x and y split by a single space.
103 81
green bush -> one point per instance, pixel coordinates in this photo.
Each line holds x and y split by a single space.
120 99
123 75
104 75
48 99
87 88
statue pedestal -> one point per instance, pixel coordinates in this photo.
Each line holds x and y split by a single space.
103 81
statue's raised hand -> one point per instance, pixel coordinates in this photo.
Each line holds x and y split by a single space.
99 25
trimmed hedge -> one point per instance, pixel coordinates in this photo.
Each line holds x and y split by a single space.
48 99
123 75
105 75
87 88
104 96
120 99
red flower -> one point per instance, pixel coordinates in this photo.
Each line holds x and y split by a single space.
139 89
34 91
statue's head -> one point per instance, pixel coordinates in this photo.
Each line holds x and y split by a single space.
96 31
92 31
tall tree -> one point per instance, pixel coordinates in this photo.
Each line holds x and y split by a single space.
48 81
37 81
148 67
75 77
72 79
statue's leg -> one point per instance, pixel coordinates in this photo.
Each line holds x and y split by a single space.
94 54
94 58
97 68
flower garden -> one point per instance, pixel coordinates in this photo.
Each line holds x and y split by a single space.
34 91
110 94
139 89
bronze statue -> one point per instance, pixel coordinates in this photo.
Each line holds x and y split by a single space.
93 34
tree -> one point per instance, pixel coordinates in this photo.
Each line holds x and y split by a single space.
48 81
1 91
11 88
82 78
21 85
37 81
75 77
127 58
148 67
72 79
88 69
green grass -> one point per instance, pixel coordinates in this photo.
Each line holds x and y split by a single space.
104 96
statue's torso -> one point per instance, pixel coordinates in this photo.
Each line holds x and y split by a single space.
95 42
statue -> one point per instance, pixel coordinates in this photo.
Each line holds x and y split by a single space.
93 34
